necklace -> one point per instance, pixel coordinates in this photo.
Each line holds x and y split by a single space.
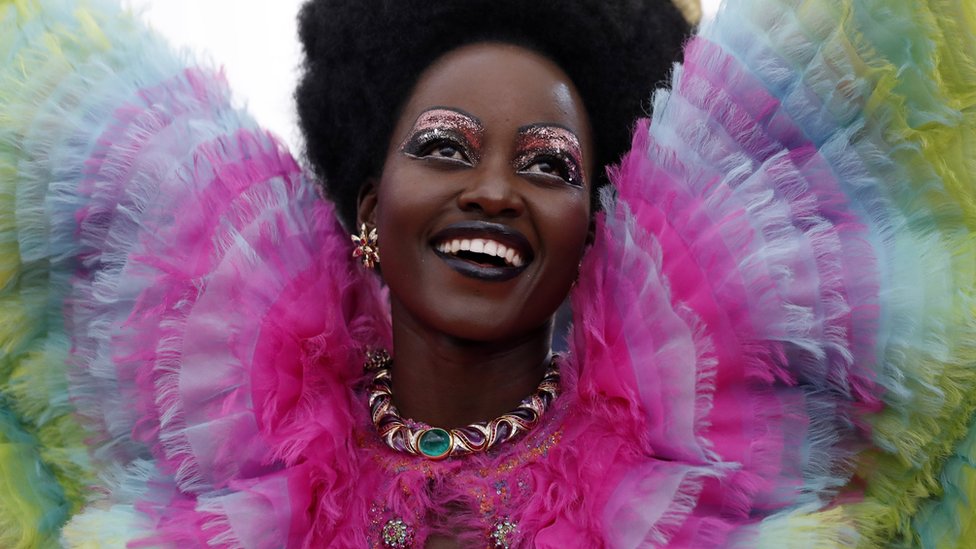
436 443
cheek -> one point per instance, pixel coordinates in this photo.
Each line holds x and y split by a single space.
568 227
413 183
407 202
401 201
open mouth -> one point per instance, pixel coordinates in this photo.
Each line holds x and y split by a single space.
488 251
483 251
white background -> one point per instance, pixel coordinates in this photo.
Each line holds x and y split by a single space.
255 41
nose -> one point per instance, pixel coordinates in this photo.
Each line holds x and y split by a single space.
493 193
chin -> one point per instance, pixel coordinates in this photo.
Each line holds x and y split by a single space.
475 329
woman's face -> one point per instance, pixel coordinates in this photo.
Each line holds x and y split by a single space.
483 205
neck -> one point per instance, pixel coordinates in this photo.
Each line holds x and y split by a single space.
448 382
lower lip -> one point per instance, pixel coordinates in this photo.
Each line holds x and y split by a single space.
481 272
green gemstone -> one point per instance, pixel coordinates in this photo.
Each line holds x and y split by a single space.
435 443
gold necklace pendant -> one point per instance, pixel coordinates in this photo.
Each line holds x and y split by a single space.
436 443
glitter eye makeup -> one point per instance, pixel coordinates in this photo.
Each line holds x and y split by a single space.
446 134
551 151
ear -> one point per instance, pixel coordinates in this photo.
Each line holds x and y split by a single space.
366 203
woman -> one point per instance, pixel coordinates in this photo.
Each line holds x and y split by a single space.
734 311
478 171
421 105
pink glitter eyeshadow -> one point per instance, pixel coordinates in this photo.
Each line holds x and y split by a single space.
441 122
541 140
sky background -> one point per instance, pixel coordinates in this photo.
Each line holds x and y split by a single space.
255 41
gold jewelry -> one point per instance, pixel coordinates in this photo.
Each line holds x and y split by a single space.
367 246
436 443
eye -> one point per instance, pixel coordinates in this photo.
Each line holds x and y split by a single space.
445 149
551 166
548 167
439 146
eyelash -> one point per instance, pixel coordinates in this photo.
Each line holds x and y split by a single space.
425 144
562 168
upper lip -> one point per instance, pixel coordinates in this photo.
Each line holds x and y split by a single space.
503 234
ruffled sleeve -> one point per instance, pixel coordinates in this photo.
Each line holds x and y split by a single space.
180 289
782 287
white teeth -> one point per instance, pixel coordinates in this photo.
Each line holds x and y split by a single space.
482 246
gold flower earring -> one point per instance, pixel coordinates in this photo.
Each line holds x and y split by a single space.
367 246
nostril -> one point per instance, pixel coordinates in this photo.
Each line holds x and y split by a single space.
492 205
472 206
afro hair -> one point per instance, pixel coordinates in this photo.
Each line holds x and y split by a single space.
364 57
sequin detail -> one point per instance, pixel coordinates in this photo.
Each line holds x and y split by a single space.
397 534
503 534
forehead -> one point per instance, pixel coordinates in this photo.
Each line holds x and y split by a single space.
504 86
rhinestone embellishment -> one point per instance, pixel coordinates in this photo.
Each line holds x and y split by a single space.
397 534
503 535
366 246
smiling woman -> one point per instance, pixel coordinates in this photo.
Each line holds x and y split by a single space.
483 208
471 335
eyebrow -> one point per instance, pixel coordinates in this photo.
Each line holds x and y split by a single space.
542 125
566 135
465 114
